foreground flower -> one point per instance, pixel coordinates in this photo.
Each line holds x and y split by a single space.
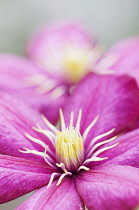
82 164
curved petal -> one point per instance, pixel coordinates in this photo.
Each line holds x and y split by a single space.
123 58
50 45
109 187
32 84
126 152
16 119
55 197
19 176
114 99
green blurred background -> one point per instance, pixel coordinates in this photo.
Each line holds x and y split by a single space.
108 20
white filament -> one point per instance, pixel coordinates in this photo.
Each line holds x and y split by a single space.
99 137
36 140
50 125
79 120
63 126
89 128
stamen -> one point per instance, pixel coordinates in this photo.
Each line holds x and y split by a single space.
85 134
71 119
61 177
95 159
99 137
36 140
47 133
57 93
52 178
104 149
44 131
62 165
69 148
34 80
46 157
79 120
51 126
31 151
83 167
99 144
63 126
46 87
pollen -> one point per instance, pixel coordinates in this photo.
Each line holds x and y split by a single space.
69 148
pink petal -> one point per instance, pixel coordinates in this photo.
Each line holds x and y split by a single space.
55 197
47 47
20 176
16 119
109 187
114 99
126 152
123 58
19 76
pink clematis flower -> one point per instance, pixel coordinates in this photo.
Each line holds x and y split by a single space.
65 50
85 163
80 53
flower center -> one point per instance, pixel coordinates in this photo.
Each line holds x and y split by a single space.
66 149
76 64
69 149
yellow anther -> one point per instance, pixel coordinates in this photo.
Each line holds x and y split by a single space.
69 149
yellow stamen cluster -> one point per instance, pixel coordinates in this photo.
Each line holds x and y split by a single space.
69 148
70 155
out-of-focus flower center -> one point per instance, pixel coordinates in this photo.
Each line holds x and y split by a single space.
76 63
69 149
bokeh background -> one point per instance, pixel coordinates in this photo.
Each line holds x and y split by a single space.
108 20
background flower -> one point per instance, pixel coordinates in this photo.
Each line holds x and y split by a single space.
62 52
64 49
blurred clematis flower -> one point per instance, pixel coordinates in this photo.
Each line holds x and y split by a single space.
86 162
25 80
64 54
65 50
75 53
122 58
